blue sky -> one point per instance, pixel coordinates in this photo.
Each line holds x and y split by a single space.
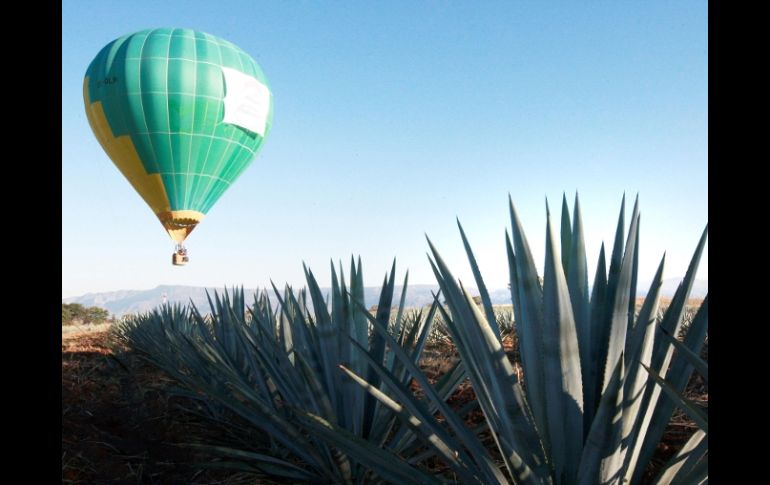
394 118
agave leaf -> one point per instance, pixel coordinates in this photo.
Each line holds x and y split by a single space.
699 475
338 316
577 282
683 463
349 393
602 456
264 418
414 451
396 324
406 340
672 321
293 320
282 374
591 392
320 401
566 233
261 387
411 328
417 408
601 328
620 302
265 463
513 275
284 331
419 421
425 329
404 436
420 331
529 322
616 259
251 364
377 351
327 342
401 304
309 393
237 466
360 333
700 365
687 405
634 272
494 380
561 358
383 463
657 412
486 301
639 346
444 388
301 334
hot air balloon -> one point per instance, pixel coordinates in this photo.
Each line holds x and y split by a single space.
181 113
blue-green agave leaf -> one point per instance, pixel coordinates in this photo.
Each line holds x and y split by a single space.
561 359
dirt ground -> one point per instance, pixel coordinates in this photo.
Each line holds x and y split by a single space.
120 427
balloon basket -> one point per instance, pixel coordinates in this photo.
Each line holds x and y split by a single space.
179 258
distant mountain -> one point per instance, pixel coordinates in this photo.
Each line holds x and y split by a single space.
700 288
124 302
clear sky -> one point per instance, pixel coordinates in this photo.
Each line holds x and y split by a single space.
393 118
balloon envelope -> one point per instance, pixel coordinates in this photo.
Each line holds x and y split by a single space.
181 113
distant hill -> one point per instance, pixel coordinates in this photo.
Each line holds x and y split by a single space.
124 302
700 288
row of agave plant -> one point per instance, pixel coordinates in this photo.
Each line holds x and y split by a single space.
503 317
333 385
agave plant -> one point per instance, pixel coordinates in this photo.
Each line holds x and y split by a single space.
585 412
269 365
690 464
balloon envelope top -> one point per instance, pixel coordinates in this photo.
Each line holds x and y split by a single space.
181 114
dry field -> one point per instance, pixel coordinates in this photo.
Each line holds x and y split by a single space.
120 427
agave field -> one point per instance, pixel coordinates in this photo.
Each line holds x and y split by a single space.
573 384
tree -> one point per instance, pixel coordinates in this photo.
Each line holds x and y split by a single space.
75 313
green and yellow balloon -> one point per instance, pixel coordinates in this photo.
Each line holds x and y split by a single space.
182 114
